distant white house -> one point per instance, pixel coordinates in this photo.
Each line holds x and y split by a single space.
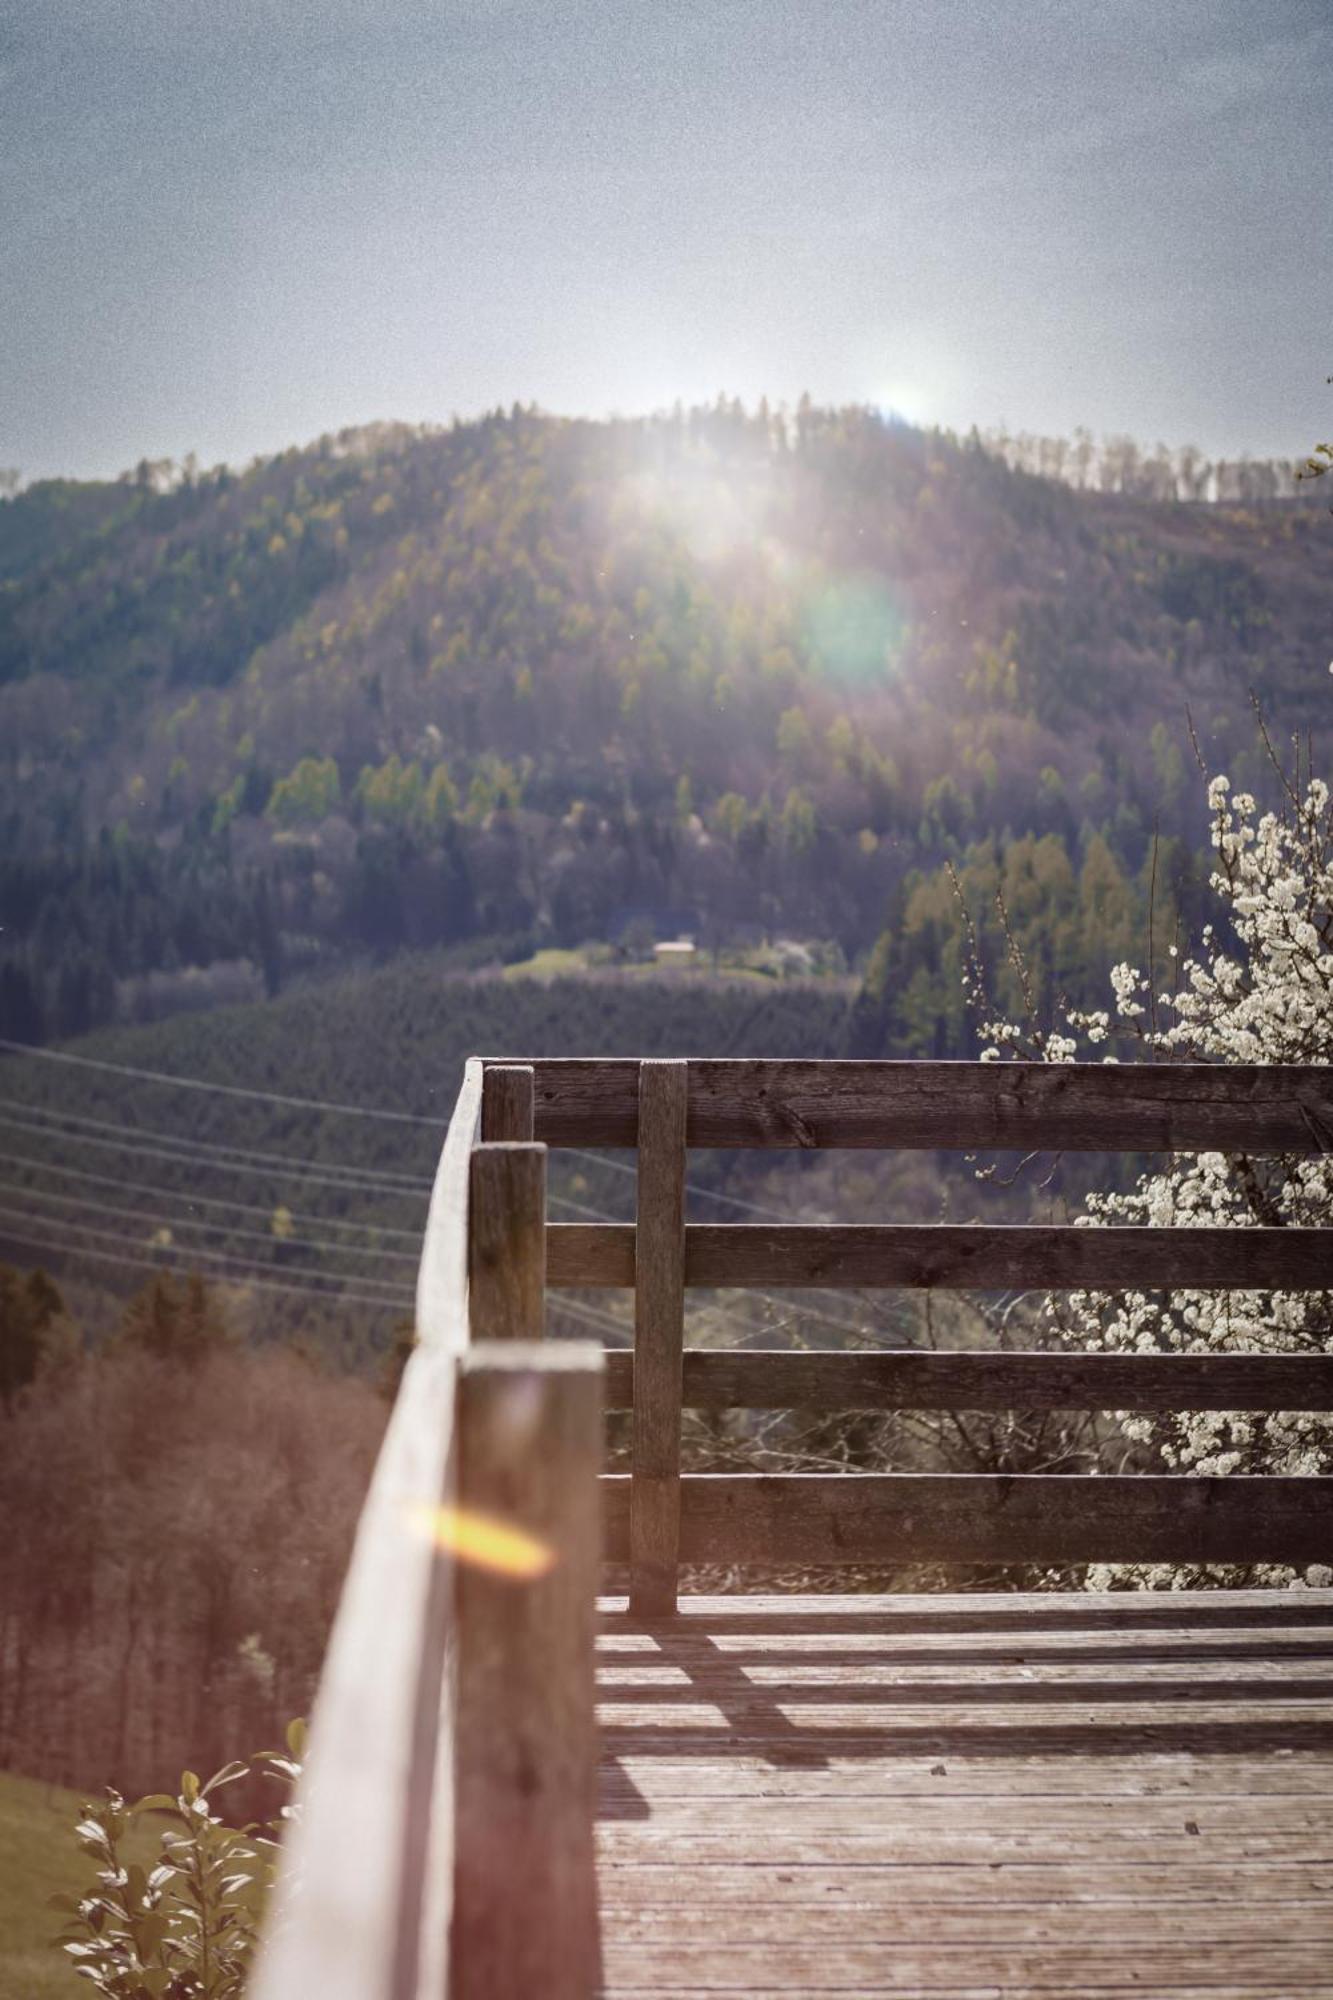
675 951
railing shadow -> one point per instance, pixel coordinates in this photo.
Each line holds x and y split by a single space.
757 1722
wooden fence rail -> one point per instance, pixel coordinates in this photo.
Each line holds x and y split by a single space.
444 1843
776 1519
914 1379
444 1839
971 1257
960 1106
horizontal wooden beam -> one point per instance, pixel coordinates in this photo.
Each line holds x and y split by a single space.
960 1518
974 1257
1098 1107
783 1379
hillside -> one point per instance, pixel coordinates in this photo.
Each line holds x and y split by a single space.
529 681
311 1219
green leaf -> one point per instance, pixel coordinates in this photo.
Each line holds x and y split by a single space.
157 1802
189 1786
227 1775
296 1737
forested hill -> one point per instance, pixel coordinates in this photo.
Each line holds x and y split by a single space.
554 679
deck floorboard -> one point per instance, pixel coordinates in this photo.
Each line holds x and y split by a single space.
969 1797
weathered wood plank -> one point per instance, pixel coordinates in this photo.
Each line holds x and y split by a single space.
507 1237
443 1276
659 1333
897 1781
787 1379
1121 1975
1279 1971
1141 1107
977 1517
352 1910
971 1256
507 1102
630 1878
909 1813
913 1923
580 1254
950 1989
529 1427
886 1613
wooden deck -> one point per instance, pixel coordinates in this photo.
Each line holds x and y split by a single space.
964 1797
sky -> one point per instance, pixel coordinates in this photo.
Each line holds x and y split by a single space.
230 225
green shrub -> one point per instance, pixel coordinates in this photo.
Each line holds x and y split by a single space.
185 1929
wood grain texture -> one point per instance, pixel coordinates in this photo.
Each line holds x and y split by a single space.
977 1517
507 1102
971 1256
1000 1840
659 1333
353 1909
442 1280
525 1917
507 1236
787 1379
1140 1107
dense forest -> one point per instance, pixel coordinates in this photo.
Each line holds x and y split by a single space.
138 1625
529 681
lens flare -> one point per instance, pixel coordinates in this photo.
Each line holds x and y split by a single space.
854 630
485 1541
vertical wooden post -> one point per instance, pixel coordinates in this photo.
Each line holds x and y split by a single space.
529 1550
507 1102
659 1338
507 1242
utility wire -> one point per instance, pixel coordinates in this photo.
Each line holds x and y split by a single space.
310 1278
222 1089
346 1110
228 1229
208 1146
382 1181
205 1200
346 1179
81 1251
589 1315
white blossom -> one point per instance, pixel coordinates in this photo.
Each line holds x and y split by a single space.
1266 999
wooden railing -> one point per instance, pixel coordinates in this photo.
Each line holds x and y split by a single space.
445 1838
656 1519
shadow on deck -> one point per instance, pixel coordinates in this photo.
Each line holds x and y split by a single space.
968 1796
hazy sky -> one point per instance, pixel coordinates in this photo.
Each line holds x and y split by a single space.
228 225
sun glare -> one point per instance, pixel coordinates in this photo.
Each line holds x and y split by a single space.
485 1541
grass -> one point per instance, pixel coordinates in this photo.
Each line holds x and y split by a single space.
553 963
38 1859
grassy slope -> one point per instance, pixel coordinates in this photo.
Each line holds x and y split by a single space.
38 1859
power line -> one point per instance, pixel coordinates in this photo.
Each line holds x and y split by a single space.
691 1187
205 1200
229 1229
210 1256
223 1089
345 1178
752 1291
591 1317
208 1146
81 1251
